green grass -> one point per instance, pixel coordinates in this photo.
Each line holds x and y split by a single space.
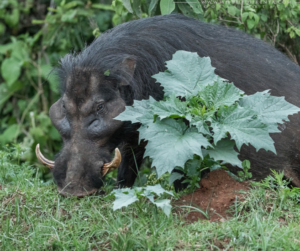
34 217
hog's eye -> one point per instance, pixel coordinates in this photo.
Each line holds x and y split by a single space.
100 107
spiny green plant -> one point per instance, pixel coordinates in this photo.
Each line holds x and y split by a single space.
203 115
126 196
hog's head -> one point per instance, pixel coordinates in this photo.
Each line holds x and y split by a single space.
84 116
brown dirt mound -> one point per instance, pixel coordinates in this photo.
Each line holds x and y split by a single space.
219 191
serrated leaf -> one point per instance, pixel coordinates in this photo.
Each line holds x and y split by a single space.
270 110
171 143
174 176
11 70
164 205
199 120
224 151
184 79
124 197
137 111
157 189
201 125
219 94
166 6
172 107
244 127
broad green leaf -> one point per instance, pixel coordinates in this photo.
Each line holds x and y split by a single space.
232 10
46 74
164 205
127 5
220 94
9 134
184 79
12 19
11 70
196 6
264 17
137 110
166 6
137 8
171 143
256 18
20 52
54 134
186 9
152 5
250 23
174 176
7 91
244 16
172 107
146 118
69 16
270 110
124 197
224 151
6 47
244 127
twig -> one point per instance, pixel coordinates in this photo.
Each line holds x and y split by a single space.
221 19
291 55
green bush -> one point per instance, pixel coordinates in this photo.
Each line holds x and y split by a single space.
201 130
34 35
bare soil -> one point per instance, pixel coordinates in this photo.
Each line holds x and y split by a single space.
217 192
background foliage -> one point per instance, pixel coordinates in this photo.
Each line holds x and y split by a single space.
34 34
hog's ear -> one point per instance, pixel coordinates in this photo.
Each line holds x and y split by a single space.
128 66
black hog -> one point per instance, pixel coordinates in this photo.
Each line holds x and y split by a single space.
116 68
